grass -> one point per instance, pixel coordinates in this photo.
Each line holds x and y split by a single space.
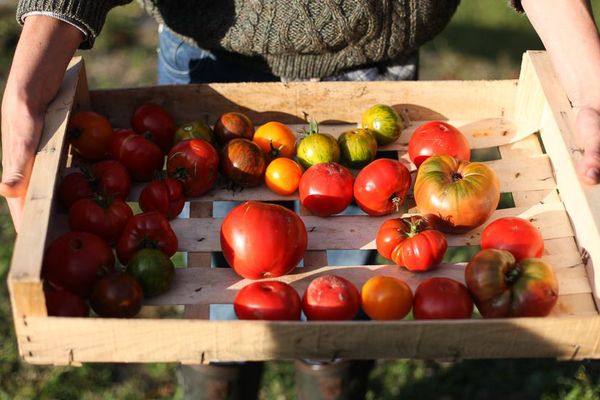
485 40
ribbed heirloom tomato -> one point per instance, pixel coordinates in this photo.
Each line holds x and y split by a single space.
513 234
268 300
164 195
195 163
261 240
102 216
386 298
381 187
326 189
437 138
276 140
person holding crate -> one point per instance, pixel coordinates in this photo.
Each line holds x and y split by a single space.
270 41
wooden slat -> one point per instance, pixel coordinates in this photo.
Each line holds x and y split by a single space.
575 304
532 197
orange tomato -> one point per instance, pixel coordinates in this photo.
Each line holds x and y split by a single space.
276 140
283 176
386 298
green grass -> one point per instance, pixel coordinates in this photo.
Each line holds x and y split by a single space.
485 40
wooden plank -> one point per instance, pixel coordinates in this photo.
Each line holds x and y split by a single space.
198 341
575 304
532 197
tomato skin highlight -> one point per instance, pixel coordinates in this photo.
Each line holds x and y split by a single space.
268 300
442 298
283 176
386 298
380 188
514 234
330 298
437 138
503 287
195 163
326 189
261 240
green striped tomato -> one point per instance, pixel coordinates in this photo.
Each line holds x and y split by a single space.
317 148
358 148
385 122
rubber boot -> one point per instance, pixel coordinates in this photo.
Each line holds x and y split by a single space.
338 380
221 381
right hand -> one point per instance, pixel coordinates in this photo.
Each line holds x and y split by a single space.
43 53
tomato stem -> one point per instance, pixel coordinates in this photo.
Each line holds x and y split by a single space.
456 176
512 276
74 134
397 202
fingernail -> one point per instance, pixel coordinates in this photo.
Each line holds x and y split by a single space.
593 174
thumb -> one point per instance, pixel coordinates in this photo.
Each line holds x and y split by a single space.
15 178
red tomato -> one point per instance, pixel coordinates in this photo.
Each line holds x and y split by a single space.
442 298
156 124
73 261
326 189
163 195
243 162
261 240
146 230
330 298
457 195
89 133
503 287
233 125
141 157
73 187
196 164
61 303
102 216
386 298
411 242
268 300
381 186
437 138
117 295
513 234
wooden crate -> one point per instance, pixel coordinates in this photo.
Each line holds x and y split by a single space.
505 115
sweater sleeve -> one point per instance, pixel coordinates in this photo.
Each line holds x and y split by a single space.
87 15
516 4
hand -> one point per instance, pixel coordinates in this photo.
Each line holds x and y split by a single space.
588 129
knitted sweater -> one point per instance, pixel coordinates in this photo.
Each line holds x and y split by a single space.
296 39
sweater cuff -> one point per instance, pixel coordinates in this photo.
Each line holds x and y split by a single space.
88 16
516 4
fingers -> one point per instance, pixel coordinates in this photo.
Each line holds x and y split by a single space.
15 206
588 129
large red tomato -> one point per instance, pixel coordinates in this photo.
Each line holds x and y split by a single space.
164 195
513 234
411 242
503 287
146 230
437 138
381 186
268 300
243 162
196 164
141 157
457 195
101 216
74 261
386 298
261 240
326 189
89 133
155 123
330 298
442 298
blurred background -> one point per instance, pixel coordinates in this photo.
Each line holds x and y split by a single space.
485 40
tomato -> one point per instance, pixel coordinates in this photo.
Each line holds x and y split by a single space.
61 303
102 216
326 189
243 162
513 234
386 298
164 195
268 300
117 295
146 230
74 260
141 157
233 125
153 270
411 242
155 124
330 298
459 195
194 130
358 148
316 147
196 164
442 298
283 176
503 287
107 178
276 140
385 122
89 133
437 138
381 187
261 240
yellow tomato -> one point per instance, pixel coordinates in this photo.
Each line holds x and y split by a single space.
276 140
283 175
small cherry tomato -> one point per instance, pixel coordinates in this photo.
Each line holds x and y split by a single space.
386 298
513 234
276 140
89 133
283 176
268 300
442 298
330 298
